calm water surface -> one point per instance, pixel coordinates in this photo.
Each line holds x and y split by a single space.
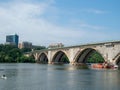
57 77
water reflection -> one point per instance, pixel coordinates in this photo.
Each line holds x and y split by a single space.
57 77
66 67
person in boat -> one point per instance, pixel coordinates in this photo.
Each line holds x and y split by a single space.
105 64
3 76
109 65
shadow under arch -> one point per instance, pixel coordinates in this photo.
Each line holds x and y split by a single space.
89 55
32 56
117 60
60 58
28 59
43 59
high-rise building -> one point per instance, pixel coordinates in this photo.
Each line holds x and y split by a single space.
12 39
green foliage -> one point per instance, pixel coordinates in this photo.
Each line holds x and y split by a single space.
65 59
95 58
12 54
38 47
26 50
25 59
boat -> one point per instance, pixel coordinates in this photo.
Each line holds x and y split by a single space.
96 65
104 66
3 77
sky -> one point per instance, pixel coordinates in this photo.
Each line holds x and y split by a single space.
71 22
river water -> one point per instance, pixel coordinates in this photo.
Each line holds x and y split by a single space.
57 77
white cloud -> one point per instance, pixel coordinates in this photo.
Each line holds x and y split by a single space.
94 11
93 27
27 20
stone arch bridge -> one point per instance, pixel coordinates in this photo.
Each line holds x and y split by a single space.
110 51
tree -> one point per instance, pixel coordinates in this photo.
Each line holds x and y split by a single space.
10 53
95 58
25 50
25 59
65 59
38 47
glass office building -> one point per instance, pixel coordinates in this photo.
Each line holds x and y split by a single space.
12 39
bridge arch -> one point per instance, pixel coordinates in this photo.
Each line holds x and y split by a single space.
60 57
117 59
32 56
83 55
42 58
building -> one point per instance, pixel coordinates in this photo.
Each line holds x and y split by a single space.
25 45
12 39
56 45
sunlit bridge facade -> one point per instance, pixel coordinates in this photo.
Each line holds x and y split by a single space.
90 53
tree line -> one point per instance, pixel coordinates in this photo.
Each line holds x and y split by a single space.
12 54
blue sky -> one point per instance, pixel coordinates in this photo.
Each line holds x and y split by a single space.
43 22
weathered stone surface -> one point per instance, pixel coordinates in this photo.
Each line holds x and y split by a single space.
110 51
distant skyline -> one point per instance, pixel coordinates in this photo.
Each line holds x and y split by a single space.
71 22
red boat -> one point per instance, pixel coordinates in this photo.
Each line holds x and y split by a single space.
104 66
97 66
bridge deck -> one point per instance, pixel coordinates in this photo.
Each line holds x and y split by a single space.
82 45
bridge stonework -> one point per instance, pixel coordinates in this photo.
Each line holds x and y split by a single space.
110 51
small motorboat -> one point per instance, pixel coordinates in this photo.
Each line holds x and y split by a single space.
3 77
96 65
104 66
